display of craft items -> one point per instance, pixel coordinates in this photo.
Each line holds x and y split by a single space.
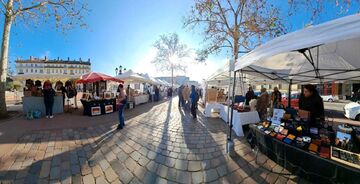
345 128
356 132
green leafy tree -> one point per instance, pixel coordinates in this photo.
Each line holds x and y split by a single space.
66 14
170 54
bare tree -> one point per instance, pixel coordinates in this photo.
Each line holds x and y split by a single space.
65 13
317 8
238 25
170 52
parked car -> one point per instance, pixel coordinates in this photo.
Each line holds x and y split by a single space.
294 101
352 110
328 98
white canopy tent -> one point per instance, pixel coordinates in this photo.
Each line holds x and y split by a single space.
132 77
329 51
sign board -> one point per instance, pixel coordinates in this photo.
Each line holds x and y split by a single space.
109 109
95 111
277 115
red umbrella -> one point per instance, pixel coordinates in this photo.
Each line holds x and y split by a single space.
94 77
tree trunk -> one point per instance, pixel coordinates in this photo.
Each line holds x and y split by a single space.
4 59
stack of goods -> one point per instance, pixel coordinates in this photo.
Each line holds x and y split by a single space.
322 140
211 95
240 107
221 96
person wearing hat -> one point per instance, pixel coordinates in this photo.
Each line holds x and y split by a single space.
49 94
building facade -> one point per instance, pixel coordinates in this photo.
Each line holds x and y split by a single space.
52 67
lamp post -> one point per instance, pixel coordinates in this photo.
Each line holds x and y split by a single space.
120 70
116 71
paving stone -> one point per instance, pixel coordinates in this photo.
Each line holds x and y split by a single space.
171 175
104 164
211 175
110 174
85 169
151 155
122 156
55 173
101 180
222 170
96 171
197 177
125 175
140 172
130 164
161 181
150 177
135 155
271 178
75 169
194 166
143 161
76 179
88 179
45 169
160 159
152 166
181 164
183 177
110 156
170 162
162 171
135 181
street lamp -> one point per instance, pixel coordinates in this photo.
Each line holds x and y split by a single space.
120 70
116 71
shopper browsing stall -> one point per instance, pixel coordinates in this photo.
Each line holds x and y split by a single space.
249 95
123 100
262 104
194 98
276 98
49 94
311 101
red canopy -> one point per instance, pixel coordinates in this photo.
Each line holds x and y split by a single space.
94 77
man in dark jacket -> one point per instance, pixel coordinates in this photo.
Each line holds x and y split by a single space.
249 96
311 101
181 99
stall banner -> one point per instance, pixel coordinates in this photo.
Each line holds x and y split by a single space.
95 111
109 109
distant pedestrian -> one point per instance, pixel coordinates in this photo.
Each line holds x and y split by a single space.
157 94
249 96
123 101
181 99
49 94
186 97
194 98
276 98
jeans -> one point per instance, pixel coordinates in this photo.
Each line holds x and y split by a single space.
49 107
193 109
180 101
121 114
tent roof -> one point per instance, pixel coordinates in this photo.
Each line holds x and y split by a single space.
132 77
328 51
94 77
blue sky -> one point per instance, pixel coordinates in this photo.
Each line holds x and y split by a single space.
121 32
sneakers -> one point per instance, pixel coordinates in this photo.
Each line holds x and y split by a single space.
51 117
47 117
119 127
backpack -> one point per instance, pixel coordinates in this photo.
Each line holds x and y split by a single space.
71 92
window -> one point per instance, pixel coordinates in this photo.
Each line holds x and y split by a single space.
35 71
48 71
57 70
27 70
35 65
60 70
52 71
32 65
21 71
41 71
31 71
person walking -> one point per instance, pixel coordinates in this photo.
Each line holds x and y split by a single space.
186 97
123 101
194 99
49 94
262 104
276 98
181 103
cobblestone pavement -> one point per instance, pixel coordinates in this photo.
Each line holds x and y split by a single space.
164 145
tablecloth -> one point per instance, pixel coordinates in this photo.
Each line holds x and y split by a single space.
141 99
31 103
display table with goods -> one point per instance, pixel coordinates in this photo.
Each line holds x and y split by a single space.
36 103
94 107
317 151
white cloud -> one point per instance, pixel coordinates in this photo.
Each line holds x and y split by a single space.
195 70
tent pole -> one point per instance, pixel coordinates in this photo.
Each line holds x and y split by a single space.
232 105
289 94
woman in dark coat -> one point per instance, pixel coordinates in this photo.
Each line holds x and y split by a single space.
49 94
311 101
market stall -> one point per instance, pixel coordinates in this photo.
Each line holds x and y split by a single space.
311 147
99 101
141 99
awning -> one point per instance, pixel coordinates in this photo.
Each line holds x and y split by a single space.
132 77
94 77
328 51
